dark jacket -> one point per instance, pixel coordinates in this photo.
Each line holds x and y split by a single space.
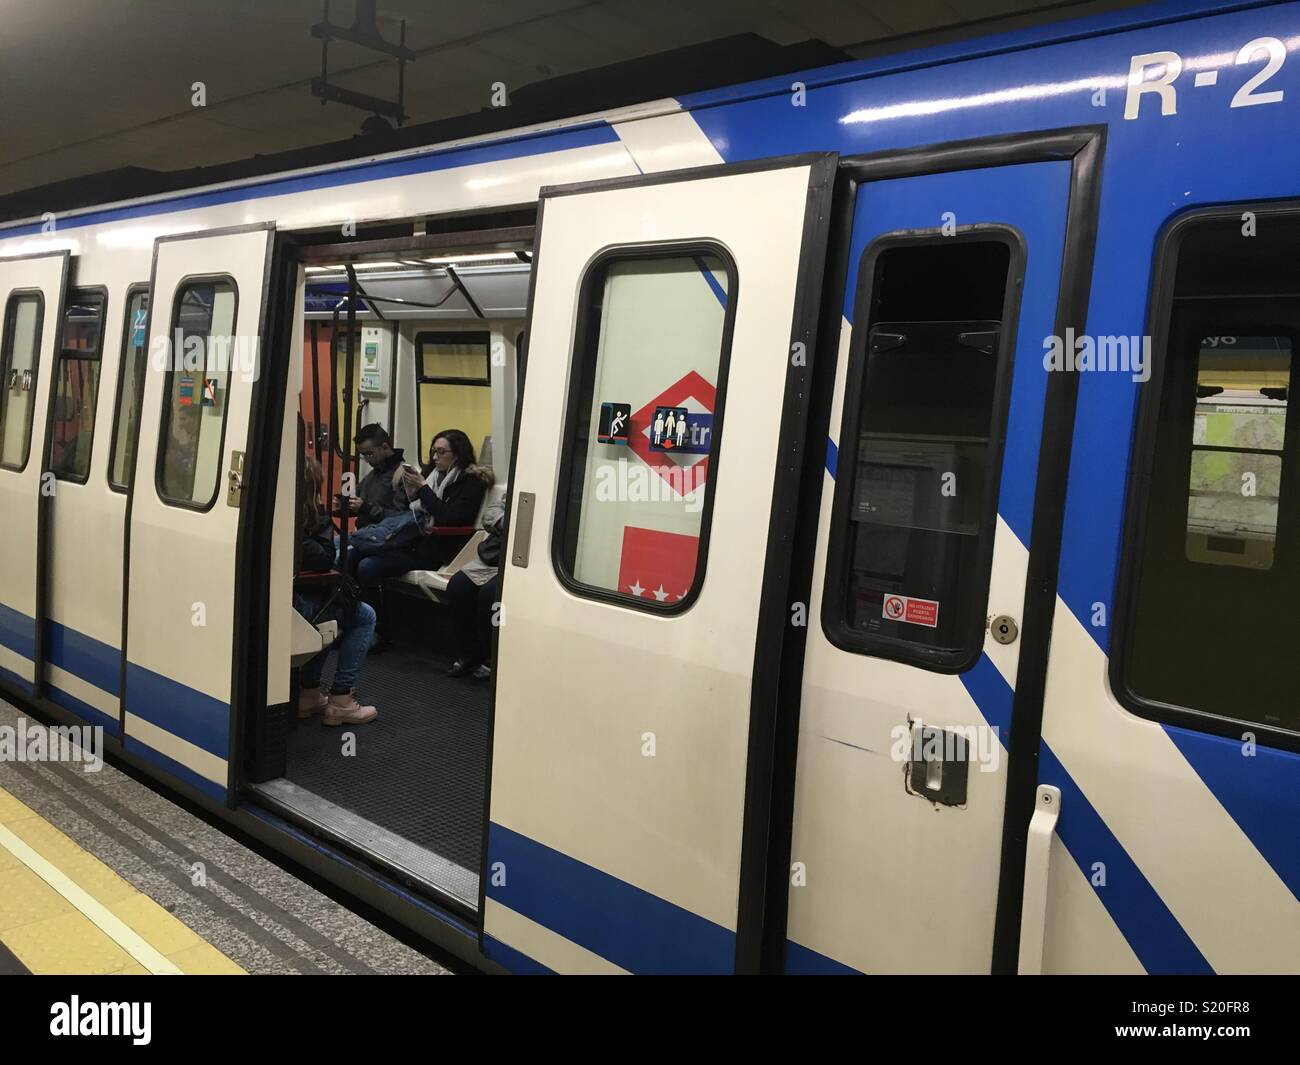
379 498
317 553
460 500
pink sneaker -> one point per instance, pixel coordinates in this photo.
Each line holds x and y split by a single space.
311 701
345 710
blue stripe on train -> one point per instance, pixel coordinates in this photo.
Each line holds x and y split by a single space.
21 683
426 162
183 773
17 631
803 961
624 924
1133 904
93 661
90 714
515 960
1259 792
192 715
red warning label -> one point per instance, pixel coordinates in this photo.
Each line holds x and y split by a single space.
913 611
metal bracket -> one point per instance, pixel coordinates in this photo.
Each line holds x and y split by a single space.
235 489
521 528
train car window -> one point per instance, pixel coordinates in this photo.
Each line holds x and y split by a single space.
130 384
19 364
453 380
454 358
915 507
643 423
194 411
1208 608
76 385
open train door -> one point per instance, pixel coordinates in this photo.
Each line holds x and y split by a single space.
205 329
645 589
31 288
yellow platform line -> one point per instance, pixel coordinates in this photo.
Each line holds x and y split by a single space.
95 911
188 951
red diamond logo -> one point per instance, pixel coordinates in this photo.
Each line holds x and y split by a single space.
692 386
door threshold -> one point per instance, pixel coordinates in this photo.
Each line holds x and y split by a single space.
386 849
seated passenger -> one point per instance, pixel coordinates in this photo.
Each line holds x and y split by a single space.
356 621
377 497
449 494
472 594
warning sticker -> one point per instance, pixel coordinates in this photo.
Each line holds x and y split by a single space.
913 611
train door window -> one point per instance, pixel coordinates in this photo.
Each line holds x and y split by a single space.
19 364
643 425
130 383
454 379
911 539
195 396
76 384
1208 616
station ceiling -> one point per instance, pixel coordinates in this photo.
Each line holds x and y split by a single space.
93 86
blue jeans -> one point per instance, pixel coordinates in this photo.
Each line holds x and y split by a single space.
356 626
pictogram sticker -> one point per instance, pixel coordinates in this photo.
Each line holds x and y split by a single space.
911 610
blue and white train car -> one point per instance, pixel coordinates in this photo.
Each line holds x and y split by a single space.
949 625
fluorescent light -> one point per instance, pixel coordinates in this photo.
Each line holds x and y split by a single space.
455 260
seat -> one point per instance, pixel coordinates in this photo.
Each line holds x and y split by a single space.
433 583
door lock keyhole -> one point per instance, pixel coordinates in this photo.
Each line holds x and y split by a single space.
1004 628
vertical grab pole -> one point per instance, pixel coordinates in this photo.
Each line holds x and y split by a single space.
349 336
331 443
315 392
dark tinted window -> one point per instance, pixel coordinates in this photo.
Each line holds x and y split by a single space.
76 385
917 478
1214 587
130 384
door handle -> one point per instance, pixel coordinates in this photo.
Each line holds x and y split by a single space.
1038 859
521 528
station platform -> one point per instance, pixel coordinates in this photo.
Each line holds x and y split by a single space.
101 875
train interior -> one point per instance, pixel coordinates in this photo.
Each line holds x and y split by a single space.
438 332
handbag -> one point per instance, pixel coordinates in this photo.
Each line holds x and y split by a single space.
397 530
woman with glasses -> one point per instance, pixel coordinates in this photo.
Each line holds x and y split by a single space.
447 493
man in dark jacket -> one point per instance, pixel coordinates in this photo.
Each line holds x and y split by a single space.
376 499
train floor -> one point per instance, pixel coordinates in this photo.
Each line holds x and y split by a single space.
408 788
100 875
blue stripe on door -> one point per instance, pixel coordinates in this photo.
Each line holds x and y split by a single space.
1139 912
624 924
803 961
95 662
21 683
1142 917
173 768
18 631
193 716
516 961
90 714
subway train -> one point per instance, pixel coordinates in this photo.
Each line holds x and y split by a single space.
903 510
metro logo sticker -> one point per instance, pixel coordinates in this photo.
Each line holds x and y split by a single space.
913 611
